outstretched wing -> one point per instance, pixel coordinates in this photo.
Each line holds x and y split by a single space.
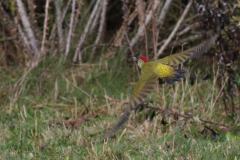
143 88
194 52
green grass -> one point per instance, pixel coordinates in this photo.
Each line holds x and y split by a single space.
47 120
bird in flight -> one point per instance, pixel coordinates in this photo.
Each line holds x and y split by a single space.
163 69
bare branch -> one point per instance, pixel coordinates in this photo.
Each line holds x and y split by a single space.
45 26
163 13
88 9
70 29
51 40
85 33
97 15
11 27
140 10
59 23
80 3
23 37
65 11
100 29
185 30
28 28
175 29
181 41
98 45
153 30
131 17
7 18
31 8
142 27
118 39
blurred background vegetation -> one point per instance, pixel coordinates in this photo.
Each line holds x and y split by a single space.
66 74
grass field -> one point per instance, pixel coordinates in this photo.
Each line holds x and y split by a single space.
62 111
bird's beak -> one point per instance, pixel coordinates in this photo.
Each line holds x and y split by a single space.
134 58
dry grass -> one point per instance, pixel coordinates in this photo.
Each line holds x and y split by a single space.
54 119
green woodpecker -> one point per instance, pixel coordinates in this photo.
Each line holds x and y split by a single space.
165 69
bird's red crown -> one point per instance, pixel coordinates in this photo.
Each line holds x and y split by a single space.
143 58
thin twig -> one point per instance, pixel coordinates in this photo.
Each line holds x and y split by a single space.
163 14
76 19
45 26
77 86
11 28
141 16
171 112
31 8
70 29
142 27
100 29
153 30
23 37
140 10
175 29
200 98
96 18
121 135
118 39
125 25
108 106
5 17
185 30
28 28
82 39
52 37
88 9
146 42
97 45
180 41
218 81
19 84
65 11
59 24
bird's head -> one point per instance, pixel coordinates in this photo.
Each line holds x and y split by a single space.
140 60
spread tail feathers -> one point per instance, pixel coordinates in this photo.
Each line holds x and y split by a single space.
122 120
178 73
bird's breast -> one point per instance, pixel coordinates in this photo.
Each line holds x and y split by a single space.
164 70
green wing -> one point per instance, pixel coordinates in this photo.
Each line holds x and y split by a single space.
143 88
194 52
